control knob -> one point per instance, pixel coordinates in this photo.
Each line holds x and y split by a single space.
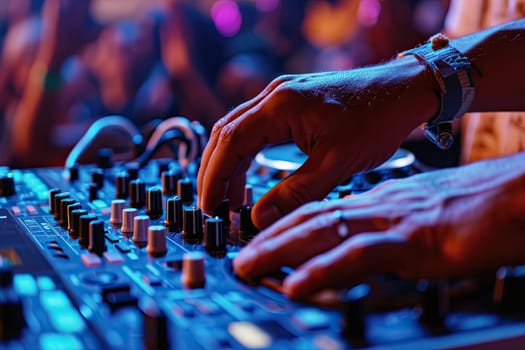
7 185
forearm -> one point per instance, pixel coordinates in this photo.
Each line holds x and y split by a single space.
497 55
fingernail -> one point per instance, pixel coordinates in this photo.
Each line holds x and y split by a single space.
265 216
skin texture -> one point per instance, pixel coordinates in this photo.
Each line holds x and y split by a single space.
441 224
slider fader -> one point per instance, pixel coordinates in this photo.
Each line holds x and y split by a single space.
117 256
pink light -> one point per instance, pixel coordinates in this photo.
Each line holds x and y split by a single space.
368 12
227 17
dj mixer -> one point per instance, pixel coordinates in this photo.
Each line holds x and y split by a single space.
115 255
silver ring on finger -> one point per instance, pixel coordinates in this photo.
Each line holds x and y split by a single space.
341 225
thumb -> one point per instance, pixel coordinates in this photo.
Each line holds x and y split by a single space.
312 181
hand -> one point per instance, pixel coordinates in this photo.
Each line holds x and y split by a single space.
451 223
345 122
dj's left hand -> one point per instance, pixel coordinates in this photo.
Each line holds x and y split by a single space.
441 224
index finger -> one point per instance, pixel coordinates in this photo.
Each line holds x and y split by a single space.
240 138
217 128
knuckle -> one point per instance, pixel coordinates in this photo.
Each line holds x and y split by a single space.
228 133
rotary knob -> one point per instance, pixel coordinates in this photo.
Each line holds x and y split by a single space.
185 191
74 222
246 227
154 202
128 216
57 200
174 219
64 204
70 209
157 241
169 180
354 314
97 239
117 206
193 270
137 193
155 327
214 236
97 177
52 193
509 289
7 185
122 185
12 320
83 233
140 230
192 225
434 302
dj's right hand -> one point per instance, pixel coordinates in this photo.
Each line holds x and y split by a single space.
346 122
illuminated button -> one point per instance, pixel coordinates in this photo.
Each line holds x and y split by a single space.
91 260
25 284
249 335
310 319
56 299
55 341
45 283
67 320
207 307
31 209
113 257
16 210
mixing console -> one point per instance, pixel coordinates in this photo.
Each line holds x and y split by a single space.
116 256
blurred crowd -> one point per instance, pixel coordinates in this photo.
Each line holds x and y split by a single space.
66 63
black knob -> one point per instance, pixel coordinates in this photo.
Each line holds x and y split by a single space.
509 289
246 227
70 209
12 320
74 221
104 158
156 335
168 180
122 185
185 191
223 212
133 170
434 302
7 185
174 219
97 239
97 177
154 202
137 193
52 193
83 233
93 192
354 314
57 199
214 236
64 204
163 165
192 225
73 173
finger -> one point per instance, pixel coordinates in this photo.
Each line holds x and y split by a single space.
349 263
237 184
239 139
291 249
237 112
311 182
353 220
